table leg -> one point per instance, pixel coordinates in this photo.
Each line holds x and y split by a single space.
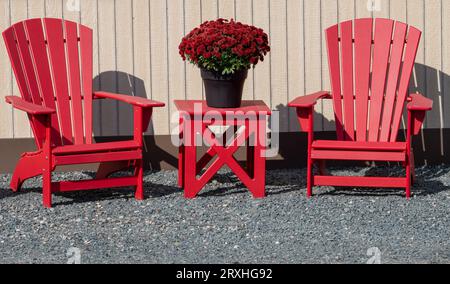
250 148
259 160
181 151
250 160
190 161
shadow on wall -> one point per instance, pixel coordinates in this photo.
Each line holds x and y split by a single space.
434 84
114 120
432 146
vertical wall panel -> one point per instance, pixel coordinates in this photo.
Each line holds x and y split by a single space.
398 10
347 9
210 10
193 18
107 64
71 10
244 14
6 78
53 8
296 56
36 9
433 56
313 56
141 50
279 78
415 17
433 63
125 66
445 73
226 9
140 38
89 18
362 8
19 12
160 92
176 74
261 17
383 9
329 18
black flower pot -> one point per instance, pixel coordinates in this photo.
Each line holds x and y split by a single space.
224 91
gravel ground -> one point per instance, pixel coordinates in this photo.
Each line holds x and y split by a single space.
225 225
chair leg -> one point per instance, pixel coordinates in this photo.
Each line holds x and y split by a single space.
408 179
30 165
251 161
191 186
140 180
309 177
181 166
413 168
47 188
259 171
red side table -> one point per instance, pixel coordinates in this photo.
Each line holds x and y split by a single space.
247 127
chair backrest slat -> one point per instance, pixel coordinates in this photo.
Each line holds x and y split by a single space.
55 39
335 74
370 62
28 64
363 53
14 55
382 46
392 83
52 63
71 36
38 48
347 79
86 56
412 46
17 66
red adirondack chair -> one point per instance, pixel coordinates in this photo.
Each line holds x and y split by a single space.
371 63
52 63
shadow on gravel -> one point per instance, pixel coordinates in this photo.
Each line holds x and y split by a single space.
276 184
152 190
6 193
427 183
430 181
225 189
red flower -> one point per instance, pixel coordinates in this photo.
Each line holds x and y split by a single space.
224 42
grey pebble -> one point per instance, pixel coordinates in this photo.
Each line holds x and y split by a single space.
226 225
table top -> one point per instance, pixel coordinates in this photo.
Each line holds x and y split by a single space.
193 107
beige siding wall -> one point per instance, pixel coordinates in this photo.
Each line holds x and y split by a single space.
140 38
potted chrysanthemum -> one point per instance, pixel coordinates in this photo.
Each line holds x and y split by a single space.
224 50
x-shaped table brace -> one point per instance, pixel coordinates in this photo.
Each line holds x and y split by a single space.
190 170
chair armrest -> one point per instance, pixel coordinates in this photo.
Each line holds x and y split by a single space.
419 103
417 108
305 109
309 100
28 107
135 101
